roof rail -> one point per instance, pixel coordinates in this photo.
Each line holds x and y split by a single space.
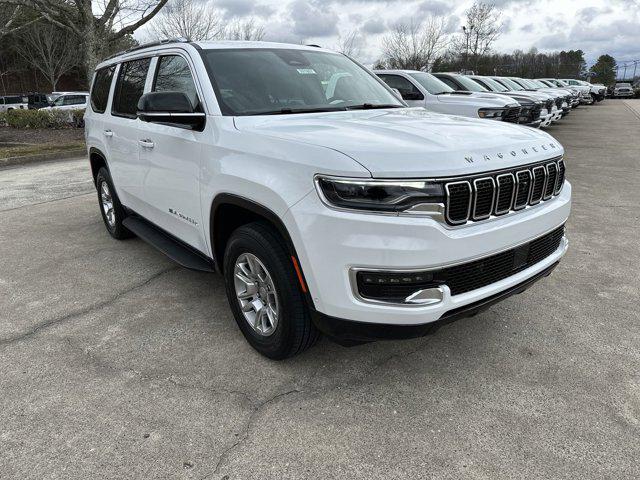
150 44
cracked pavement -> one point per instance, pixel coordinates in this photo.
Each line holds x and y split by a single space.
116 363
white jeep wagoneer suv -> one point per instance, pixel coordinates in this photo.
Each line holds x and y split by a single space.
327 203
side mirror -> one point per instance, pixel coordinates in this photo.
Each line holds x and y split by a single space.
173 108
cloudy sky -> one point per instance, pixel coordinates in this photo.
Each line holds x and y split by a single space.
595 26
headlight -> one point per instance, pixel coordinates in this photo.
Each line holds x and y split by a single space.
377 195
491 112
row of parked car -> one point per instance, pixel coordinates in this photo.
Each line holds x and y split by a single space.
532 102
42 101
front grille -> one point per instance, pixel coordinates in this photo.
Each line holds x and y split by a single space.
559 102
479 197
549 105
397 286
511 115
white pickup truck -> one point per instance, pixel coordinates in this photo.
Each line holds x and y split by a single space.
420 89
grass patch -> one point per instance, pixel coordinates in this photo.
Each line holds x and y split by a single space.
13 150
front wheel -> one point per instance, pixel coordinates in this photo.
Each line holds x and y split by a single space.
265 294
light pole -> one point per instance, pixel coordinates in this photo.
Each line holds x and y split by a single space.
467 37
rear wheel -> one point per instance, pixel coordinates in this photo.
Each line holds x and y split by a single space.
265 294
110 207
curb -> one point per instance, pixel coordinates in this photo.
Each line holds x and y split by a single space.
43 157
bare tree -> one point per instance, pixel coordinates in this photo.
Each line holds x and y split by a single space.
482 29
48 49
350 44
244 30
93 23
190 19
414 46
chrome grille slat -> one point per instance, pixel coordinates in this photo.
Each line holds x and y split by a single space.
523 189
552 176
506 186
481 197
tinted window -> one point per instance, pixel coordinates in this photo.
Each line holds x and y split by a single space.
130 87
407 89
74 100
173 75
256 81
431 83
449 82
101 86
14 100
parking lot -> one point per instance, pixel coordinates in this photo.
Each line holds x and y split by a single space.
117 363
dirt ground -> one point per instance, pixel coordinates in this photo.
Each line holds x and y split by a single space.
40 136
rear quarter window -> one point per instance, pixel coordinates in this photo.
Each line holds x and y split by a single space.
100 90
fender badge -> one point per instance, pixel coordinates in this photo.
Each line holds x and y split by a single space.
469 159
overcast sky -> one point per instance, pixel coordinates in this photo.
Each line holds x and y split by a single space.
595 26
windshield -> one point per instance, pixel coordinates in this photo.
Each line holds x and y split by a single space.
433 85
283 81
623 85
510 84
470 84
493 85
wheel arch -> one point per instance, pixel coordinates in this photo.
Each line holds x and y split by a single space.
97 160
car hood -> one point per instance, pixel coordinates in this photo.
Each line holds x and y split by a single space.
411 142
477 99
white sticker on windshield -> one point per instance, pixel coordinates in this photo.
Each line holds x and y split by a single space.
306 71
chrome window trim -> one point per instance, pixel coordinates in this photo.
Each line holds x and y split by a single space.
513 191
448 198
475 198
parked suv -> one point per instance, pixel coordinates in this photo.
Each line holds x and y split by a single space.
420 89
530 107
69 101
326 203
622 89
13 102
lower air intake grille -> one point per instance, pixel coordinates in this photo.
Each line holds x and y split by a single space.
471 276
396 287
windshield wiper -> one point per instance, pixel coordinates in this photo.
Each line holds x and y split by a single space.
371 106
290 111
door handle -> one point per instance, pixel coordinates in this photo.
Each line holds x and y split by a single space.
108 133
146 143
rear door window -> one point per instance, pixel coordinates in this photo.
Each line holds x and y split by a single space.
100 90
130 87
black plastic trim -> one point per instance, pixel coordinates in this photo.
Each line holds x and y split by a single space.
261 210
172 247
348 332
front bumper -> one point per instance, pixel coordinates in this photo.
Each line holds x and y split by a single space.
623 94
348 333
331 243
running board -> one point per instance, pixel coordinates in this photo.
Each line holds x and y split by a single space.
171 247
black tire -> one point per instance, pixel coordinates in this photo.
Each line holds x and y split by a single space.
294 331
116 229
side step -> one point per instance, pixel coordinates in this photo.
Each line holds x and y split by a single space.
171 247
